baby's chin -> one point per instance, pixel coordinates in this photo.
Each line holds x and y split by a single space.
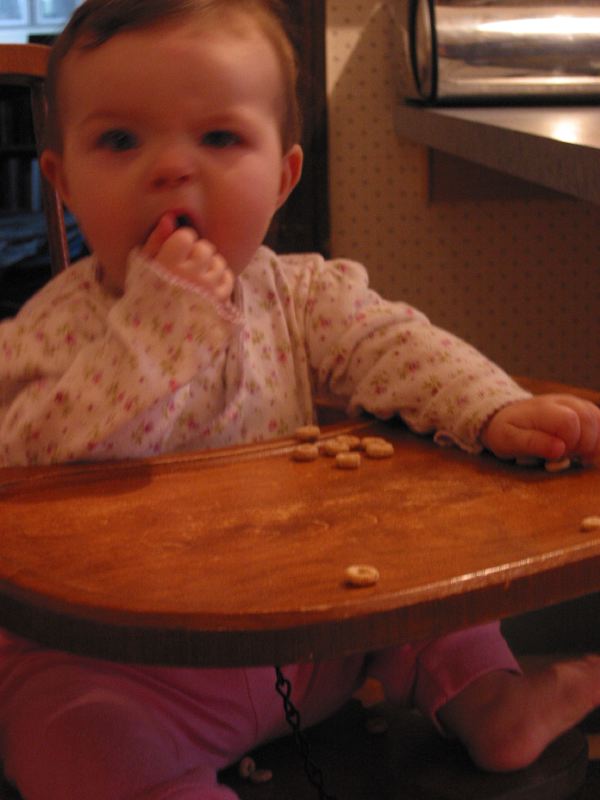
112 281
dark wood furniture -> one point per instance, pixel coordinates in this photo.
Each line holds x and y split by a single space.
25 66
302 225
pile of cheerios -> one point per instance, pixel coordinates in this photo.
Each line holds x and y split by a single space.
347 449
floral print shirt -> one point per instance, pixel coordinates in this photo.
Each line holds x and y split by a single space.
86 375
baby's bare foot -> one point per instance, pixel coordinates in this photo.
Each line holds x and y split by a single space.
506 721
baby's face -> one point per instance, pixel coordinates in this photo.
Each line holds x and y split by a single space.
177 118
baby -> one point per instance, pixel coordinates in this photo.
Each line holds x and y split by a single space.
173 137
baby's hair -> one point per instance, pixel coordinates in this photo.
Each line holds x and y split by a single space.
96 21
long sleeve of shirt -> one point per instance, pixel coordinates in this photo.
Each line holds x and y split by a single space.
79 366
388 359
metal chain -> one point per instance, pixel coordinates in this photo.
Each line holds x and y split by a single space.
283 687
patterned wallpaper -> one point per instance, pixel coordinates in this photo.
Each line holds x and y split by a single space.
520 279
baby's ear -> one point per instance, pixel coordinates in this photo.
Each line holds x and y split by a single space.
291 171
52 166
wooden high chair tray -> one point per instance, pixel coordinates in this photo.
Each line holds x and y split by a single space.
237 557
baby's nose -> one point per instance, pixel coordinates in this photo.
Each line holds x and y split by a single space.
173 166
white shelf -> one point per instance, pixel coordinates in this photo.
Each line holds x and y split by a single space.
557 147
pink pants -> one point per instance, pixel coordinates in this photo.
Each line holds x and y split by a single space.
73 728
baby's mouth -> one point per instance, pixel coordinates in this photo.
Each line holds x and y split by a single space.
183 221
187 219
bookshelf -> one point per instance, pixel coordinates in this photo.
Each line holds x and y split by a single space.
20 184
24 251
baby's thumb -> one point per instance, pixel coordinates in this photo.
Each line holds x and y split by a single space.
164 228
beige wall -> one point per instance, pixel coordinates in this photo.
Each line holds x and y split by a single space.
520 279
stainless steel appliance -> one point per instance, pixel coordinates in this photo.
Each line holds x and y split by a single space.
486 50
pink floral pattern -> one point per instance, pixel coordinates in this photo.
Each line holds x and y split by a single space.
85 375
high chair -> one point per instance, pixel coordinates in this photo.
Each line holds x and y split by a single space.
338 758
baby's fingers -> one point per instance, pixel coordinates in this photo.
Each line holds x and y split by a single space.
587 445
577 423
534 442
217 277
175 253
224 287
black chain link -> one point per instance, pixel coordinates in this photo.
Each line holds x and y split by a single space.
292 716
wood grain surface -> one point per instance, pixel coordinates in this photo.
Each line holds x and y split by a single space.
237 556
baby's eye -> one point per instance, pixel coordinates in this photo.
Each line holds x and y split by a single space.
220 139
117 140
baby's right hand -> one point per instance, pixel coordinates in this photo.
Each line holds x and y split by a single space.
184 255
550 426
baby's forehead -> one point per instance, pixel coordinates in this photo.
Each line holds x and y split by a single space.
240 26
235 22
213 63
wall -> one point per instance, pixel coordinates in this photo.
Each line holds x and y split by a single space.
518 278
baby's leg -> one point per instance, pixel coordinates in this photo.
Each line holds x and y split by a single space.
507 720
471 686
75 728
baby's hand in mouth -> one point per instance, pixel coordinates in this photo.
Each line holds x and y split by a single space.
175 245
160 234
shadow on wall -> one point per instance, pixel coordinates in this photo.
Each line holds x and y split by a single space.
377 183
